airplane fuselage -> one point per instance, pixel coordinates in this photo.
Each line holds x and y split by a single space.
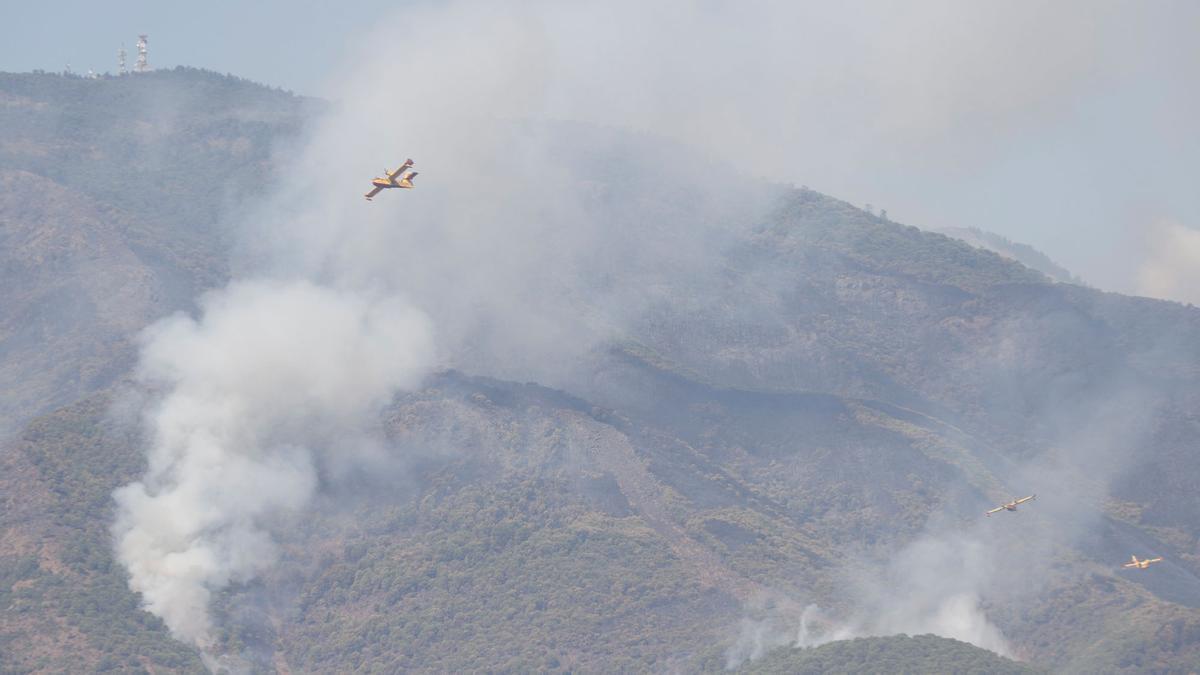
1010 506
400 178
397 180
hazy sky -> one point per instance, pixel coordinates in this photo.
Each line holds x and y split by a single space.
1071 126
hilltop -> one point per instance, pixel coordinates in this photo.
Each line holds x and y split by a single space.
898 655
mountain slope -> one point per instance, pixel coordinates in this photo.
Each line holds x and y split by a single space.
66 604
521 528
819 417
869 309
110 195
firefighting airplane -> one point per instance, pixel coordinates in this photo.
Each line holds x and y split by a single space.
400 178
1141 564
1011 506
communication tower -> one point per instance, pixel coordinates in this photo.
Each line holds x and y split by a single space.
141 65
121 60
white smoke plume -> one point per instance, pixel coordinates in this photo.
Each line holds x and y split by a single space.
270 378
773 627
1171 270
938 584
935 585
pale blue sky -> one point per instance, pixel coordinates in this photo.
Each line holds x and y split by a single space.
291 44
1070 126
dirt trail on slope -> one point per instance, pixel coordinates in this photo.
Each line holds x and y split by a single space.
611 451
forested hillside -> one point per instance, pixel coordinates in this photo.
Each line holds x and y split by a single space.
112 192
899 655
802 443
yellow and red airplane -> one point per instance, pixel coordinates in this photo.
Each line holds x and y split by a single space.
1010 506
1141 564
400 178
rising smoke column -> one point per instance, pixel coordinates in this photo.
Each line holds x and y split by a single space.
937 585
272 378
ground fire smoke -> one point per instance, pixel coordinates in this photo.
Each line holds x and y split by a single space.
271 377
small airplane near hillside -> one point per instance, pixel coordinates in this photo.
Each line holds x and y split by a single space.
400 178
1141 564
1011 506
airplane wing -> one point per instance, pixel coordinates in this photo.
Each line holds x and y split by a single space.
995 510
1022 500
1132 564
398 173
374 191
1153 560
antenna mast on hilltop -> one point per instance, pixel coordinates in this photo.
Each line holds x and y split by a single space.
121 60
141 65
